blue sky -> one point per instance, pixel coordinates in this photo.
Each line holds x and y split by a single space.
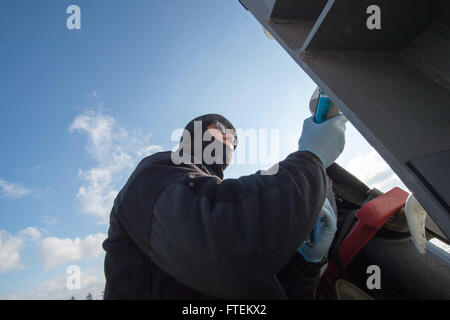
79 109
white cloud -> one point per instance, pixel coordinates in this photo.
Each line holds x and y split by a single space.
55 251
12 246
30 233
371 169
12 190
10 249
117 150
92 281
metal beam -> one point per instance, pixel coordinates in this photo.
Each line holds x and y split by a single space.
393 84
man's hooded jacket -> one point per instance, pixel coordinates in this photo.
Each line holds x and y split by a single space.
182 232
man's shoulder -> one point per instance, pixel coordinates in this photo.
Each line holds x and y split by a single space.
158 156
163 161
162 158
155 170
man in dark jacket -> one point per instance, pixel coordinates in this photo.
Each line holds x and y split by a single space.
179 231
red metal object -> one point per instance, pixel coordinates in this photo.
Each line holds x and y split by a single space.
371 217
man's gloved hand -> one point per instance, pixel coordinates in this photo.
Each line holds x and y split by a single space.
324 231
326 140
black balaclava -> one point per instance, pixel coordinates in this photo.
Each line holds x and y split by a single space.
206 120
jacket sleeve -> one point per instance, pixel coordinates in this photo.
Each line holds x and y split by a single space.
299 278
229 238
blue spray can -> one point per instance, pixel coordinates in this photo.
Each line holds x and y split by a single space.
323 106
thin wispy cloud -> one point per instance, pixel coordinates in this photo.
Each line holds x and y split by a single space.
116 150
50 221
12 190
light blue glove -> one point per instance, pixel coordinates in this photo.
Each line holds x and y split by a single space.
324 231
326 140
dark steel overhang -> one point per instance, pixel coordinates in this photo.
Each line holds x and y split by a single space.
392 83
